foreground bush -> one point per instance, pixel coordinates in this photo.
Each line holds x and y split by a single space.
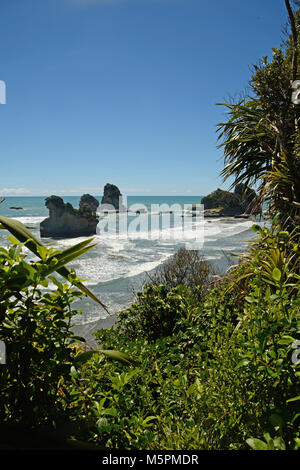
227 377
217 373
35 327
39 353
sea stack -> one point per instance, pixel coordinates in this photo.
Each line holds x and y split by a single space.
66 222
112 199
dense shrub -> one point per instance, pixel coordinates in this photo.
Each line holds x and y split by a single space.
35 327
187 268
158 312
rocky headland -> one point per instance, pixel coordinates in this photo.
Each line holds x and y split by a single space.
65 221
236 204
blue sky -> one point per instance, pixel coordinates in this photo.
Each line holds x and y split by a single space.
123 91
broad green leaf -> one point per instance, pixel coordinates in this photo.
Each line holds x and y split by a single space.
276 273
42 251
18 230
285 340
279 443
13 240
257 444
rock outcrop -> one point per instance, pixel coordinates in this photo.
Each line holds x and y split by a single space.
112 199
88 203
66 222
226 204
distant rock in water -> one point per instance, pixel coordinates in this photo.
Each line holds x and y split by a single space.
17 208
112 199
66 222
221 203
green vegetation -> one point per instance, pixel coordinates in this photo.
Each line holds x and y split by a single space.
220 199
192 364
260 138
214 373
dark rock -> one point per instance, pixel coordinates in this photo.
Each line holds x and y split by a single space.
141 211
16 208
212 213
66 222
112 199
88 203
226 204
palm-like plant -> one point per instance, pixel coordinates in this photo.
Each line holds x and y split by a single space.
260 138
282 189
248 143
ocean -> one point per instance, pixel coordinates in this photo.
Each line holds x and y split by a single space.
119 265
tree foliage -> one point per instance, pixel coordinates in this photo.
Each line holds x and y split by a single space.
261 135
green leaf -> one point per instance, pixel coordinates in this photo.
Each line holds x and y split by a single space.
283 234
279 443
13 240
257 444
110 412
83 357
67 256
286 340
119 356
112 354
18 230
74 373
148 419
276 273
255 228
293 399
